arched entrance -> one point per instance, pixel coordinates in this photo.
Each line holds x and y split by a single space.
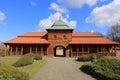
59 51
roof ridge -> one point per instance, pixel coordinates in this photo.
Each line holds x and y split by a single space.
32 34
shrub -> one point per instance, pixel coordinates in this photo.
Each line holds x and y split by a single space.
84 58
37 57
23 61
29 54
11 73
27 59
103 69
96 56
112 65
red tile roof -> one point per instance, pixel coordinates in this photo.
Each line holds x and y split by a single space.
27 40
85 34
94 40
77 38
33 34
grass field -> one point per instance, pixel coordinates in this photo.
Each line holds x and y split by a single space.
82 63
31 69
8 60
118 56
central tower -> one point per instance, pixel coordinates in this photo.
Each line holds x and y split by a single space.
59 36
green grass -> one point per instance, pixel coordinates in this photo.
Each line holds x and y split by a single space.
118 56
31 69
82 63
8 60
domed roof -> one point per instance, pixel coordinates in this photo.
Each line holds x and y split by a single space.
59 25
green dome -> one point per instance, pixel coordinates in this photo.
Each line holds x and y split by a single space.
59 25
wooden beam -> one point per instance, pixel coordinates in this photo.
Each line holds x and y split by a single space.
21 50
36 49
77 51
42 50
30 49
97 49
10 50
82 50
88 49
109 50
5 50
16 50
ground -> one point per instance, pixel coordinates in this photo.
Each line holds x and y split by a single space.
61 68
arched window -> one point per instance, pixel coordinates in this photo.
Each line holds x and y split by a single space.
64 37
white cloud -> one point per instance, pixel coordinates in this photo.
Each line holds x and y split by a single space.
106 15
77 3
57 8
47 23
62 5
72 24
33 3
2 16
67 16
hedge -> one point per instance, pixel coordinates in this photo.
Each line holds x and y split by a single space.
29 54
27 59
84 58
90 57
37 57
23 61
103 69
11 73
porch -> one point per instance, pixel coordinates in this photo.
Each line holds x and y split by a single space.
78 50
16 50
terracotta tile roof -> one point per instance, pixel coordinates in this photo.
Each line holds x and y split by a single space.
27 40
33 34
85 34
89 38
100 40
77 38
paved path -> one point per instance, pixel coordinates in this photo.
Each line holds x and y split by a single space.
60 68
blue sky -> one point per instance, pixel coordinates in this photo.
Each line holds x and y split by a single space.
20 16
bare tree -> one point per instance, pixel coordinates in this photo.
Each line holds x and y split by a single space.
114 33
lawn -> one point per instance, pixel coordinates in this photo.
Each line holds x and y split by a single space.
31 69
82 63
8 60
118 56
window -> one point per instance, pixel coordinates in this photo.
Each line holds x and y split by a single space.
64 37
55 37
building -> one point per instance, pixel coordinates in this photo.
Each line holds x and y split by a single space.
60 40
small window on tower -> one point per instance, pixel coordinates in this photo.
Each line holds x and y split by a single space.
55 37
64 37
